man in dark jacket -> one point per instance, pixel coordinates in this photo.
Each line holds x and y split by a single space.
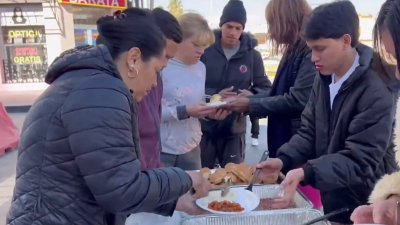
150 107
346 127
232 65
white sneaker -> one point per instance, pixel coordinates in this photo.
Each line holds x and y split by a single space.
254 141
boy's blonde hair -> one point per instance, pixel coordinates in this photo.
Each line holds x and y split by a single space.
194 25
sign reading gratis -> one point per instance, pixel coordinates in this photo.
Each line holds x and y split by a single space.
26 54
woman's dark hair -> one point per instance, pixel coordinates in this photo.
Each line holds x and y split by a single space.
130 28
333 20
388 20
168 24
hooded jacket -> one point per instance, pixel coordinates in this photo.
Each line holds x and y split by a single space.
346 149
78 155
244 70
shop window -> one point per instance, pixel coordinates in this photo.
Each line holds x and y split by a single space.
25 51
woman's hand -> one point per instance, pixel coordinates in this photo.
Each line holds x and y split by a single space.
381 212
200 185
220 114
187 203
385 212
200 110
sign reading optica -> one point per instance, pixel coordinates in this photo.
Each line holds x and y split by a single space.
114 4
24 33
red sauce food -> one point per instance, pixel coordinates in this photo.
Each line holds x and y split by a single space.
225 206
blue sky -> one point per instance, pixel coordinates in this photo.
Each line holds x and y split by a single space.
212 9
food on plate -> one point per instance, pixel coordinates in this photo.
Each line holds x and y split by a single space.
238 173
215 98
225 206
206 172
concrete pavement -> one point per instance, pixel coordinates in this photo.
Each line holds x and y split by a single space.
7 172
8 163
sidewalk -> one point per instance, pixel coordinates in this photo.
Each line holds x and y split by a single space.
19 97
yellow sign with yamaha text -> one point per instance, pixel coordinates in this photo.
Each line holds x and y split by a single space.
112 4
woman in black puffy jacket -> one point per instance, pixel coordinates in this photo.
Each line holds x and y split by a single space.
78 155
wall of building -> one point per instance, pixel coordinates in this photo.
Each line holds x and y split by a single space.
59 24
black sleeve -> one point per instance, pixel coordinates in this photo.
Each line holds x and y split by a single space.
99 126
292 102
301 148
261 82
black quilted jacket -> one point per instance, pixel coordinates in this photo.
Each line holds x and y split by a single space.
346 148
78 155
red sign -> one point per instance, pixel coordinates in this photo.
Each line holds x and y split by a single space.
26 54
114 4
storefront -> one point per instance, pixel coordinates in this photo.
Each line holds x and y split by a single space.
35 32
23 44
86 13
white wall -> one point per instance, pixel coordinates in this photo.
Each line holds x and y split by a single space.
59 25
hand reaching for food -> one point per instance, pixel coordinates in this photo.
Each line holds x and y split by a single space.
227 92
200 110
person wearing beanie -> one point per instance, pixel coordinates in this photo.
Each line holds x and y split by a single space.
233 67
233 11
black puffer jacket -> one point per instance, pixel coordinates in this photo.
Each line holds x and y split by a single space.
243 71
347 148
78 155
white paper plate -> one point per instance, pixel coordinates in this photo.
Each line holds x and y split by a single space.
247 199
216 104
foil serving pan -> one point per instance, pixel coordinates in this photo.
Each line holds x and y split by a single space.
271 217
270 191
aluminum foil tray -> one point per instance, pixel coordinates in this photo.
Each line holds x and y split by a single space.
266 192
274 217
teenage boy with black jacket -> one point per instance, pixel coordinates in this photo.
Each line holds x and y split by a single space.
346 127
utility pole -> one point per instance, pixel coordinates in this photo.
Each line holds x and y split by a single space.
151 4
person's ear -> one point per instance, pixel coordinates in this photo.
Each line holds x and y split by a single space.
133 57
346 40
